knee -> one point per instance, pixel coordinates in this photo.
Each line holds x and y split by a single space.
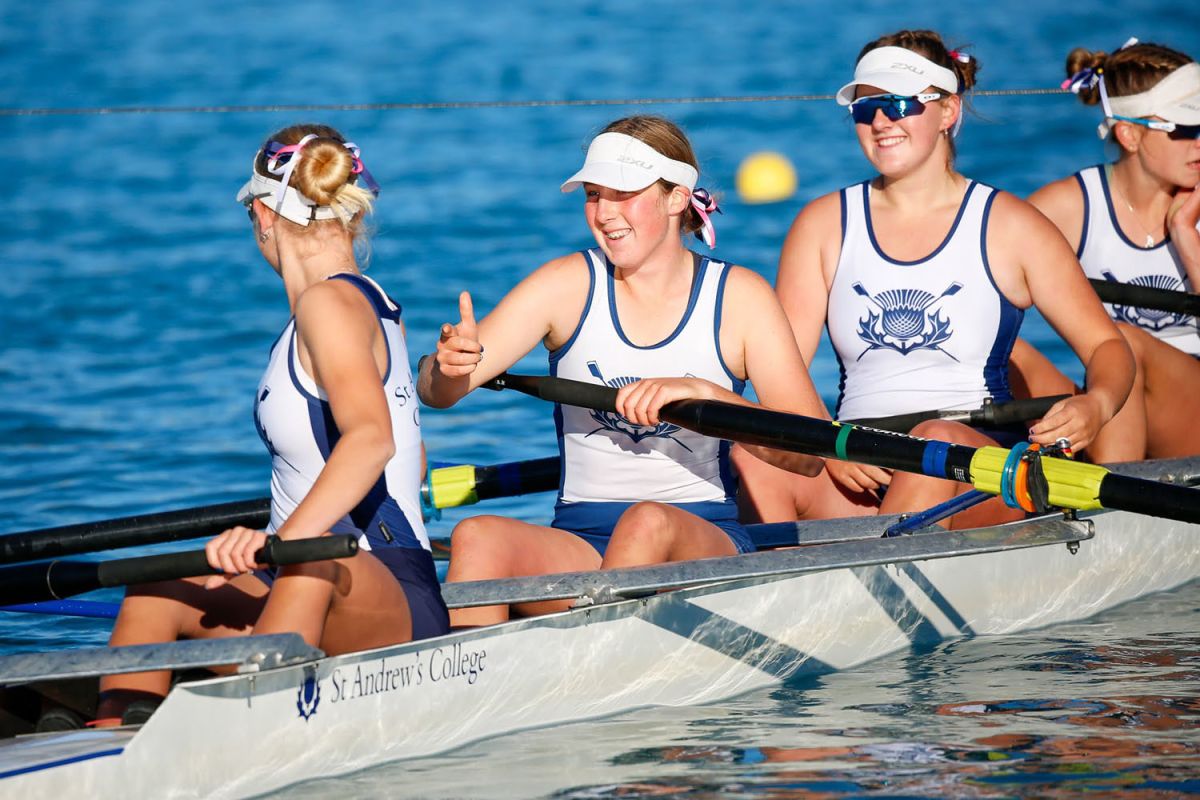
643 522
945 431
1134 337
474 534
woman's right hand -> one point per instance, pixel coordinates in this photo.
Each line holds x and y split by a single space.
233 552
458 349
857 478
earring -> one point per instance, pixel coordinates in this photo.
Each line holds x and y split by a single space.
264 235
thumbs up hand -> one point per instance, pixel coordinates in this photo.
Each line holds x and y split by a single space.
458 350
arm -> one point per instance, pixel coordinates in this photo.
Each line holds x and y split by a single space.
338 331
546 306
807 265
1033 263
1181 222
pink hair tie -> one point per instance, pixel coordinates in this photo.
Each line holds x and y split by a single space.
705 204
285 171
962 58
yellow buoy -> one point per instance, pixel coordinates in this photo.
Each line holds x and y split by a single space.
765 177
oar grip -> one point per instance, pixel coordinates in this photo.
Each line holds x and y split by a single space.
29 583
1129 294
1014 412
571 393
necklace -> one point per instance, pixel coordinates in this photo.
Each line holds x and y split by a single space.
1149 237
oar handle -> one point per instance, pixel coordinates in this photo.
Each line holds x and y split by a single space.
558 390
1130 294
54 580
990 415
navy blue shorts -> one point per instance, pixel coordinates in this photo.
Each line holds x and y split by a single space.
414 569
594 522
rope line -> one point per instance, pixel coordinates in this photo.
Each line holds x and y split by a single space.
258 109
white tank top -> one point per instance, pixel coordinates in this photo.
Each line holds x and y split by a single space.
911 336
1107 254
296 423
606 458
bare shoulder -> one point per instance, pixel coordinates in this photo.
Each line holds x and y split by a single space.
746 284
1062 202
821 214
561 274
332 298
1012 215
1060 194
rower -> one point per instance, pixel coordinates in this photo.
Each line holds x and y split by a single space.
1134 222
641 313
923 276
346 455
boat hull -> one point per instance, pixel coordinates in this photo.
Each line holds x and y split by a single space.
252 733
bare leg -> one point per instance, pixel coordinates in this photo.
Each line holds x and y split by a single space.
910 492
1031 374
340 606
498 547
1172 380
164 612
653 533
770 494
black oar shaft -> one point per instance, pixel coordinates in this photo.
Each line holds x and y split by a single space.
166 526
764 427
31 583
1076 485
1129 294
516 478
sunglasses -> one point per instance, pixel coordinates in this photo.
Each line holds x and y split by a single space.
1173 130
893 106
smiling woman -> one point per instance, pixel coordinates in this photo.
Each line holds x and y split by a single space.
641 313
922 276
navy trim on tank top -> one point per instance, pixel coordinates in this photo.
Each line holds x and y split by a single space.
700 264
995 369
382 311
367 288
844 211
962 207
1112 216
1087 214
587 306
739 385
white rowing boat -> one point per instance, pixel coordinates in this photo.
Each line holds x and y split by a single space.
738 624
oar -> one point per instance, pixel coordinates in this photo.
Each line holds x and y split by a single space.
449 486
989 415
1130 294
1070 484
54 580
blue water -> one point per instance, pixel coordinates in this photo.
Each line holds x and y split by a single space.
135 313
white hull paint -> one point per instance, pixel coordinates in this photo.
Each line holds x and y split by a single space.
249 734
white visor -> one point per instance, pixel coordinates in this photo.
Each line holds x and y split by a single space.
896 70
1176 98
619 161
295 206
